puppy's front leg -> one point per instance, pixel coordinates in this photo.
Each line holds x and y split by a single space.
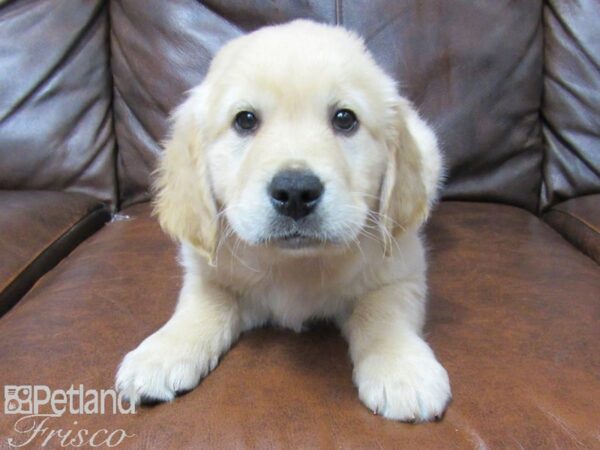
396 372
175 358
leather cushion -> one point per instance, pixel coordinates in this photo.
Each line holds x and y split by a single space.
578 220
38 229
513 317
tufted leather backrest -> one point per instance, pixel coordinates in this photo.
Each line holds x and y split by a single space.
511 87
473 69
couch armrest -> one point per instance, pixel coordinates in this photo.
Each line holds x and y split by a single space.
578 220
37 230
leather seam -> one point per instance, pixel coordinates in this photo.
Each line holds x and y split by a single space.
63 232
542 192
13 293
115 150
576 218
338 12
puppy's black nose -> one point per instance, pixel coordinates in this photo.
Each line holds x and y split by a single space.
295 193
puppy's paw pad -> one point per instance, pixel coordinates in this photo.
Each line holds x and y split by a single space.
406 389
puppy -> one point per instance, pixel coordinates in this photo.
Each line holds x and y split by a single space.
296 179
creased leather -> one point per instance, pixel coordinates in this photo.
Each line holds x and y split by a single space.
38 229
512 315
578 220
55 98
571 109
474 70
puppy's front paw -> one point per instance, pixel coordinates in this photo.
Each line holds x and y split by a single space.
161 367
409 389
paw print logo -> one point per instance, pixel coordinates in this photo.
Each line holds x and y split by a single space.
17 399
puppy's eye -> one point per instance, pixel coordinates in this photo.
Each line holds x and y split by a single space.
246 121
344 120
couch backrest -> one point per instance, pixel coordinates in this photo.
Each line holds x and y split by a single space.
571 109
475 70
162 49
56 130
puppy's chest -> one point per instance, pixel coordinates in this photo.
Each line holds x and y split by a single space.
290 303
290 296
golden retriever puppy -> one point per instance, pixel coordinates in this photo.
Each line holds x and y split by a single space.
296 180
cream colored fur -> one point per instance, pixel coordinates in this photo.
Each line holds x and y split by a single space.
369 276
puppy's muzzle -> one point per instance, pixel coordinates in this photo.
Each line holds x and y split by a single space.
295 193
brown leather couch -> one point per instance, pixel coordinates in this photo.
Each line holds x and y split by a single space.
513 90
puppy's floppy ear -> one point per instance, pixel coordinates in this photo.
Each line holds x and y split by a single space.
184 201
410 185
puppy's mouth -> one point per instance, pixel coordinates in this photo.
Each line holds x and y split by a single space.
295 240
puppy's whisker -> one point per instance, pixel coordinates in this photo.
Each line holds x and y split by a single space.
364 194
371 236
357 242
379 218
348 230
223 211
226 233
374 222
237 243
321 273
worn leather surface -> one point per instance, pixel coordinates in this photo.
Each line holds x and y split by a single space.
38 229
513 316
474 69
55 98
578 220
571 109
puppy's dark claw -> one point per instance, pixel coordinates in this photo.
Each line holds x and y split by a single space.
183 392
150 402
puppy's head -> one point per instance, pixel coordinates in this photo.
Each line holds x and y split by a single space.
295 140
